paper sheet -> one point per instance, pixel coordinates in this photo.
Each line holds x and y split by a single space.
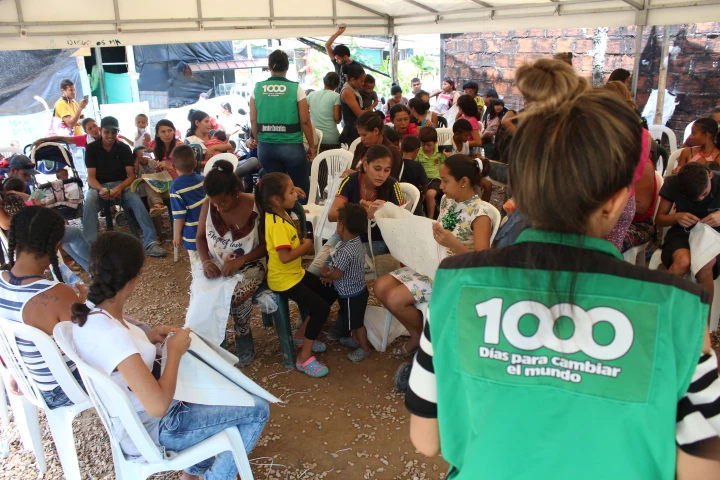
704 246
419 250
206 377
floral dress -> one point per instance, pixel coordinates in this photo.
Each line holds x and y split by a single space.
456 217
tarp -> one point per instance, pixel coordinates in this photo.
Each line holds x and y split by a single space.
35 72
34 24
162 68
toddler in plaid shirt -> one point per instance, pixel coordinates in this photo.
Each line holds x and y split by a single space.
346 271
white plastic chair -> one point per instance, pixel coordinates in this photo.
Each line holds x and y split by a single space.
688 131
96 381
8 152
636 255
337 161
495 219
657 131
354 145
59 419
318 139
672 162
220 156
411 194
444 136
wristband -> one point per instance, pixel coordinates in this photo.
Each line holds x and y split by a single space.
206 261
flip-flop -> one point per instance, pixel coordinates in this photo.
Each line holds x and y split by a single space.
358 355
318 346
313 368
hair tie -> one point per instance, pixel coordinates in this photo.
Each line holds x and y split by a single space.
215 167
480 164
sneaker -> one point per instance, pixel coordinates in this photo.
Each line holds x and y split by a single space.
154 250
402 377
157 211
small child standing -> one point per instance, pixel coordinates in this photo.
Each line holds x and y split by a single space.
187 195
346 271
142 137
368 94
412 171
431 159
274 196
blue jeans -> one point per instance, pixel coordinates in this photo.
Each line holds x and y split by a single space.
74 243
57 398
378 248
286 158
131 200
187 424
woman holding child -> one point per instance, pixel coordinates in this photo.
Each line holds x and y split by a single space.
164 143
463 226
199 133
228 243
108 342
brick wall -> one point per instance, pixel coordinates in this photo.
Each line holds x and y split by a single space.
693 74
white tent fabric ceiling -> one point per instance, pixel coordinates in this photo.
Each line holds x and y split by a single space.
36 24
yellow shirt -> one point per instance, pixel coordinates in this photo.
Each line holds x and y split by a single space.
63 109
480 103
279 234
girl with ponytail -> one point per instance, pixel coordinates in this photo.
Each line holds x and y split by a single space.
107 341
463 226
27 297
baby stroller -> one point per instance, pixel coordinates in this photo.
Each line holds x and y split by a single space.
63 196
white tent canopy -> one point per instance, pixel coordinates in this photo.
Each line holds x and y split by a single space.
40 24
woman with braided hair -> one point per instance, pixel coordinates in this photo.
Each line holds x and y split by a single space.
106 340
26 297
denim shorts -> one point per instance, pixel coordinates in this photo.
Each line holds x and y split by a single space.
57 398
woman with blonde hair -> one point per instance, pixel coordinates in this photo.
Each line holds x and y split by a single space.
619 88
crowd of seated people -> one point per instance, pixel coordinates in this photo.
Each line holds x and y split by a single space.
602 203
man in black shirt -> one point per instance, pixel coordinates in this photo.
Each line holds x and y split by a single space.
339 56
111 171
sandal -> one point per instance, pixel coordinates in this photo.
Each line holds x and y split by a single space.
313 368
358 355
158 209
318 346
403 352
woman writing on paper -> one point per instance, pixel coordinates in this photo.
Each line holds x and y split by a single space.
463 226
228 243
106 341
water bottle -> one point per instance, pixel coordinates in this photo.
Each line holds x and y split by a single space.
69 277
4 449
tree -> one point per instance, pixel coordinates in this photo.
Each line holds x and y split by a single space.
423 65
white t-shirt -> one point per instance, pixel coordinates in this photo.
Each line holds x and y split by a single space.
104 342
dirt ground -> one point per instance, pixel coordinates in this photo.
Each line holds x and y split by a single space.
350 424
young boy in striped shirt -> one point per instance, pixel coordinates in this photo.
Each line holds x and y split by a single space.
187 195
346 271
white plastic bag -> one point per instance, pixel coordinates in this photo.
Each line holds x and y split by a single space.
210 305
704 246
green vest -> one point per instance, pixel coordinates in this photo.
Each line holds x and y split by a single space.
555 360
278 120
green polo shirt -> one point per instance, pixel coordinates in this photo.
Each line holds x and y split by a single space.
431 163
555 359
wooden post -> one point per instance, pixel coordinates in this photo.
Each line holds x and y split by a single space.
638 54
662 79
394 53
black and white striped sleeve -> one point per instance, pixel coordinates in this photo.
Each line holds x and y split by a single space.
697 429
421 397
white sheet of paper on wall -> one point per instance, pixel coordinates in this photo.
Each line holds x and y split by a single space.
410 239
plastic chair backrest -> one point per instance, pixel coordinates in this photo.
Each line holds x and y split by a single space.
220 156
324 227
354 145
444 136
97 381
672 162
659 181
688 131
495 218
657 131
411 194
319 135
337 161
10 331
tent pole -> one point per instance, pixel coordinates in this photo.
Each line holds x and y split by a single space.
394 56
132 74
639 29
101 75
662 79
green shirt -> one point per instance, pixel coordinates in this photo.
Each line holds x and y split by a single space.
554 359
278 119
322 113
432 163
